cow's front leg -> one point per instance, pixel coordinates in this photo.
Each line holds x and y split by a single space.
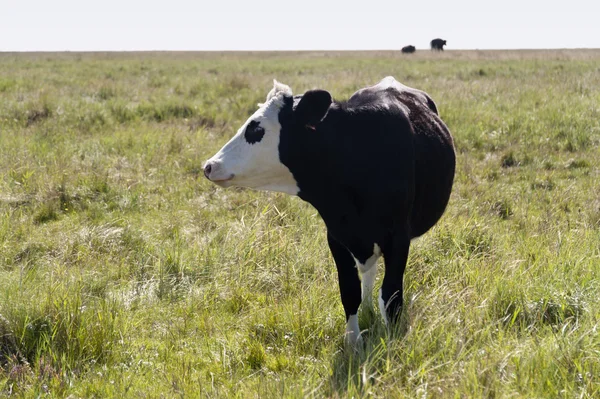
395 254
349 288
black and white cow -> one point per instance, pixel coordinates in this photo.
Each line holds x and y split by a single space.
438 44
378 168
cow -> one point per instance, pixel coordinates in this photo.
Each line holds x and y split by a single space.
408 49
378 168
438 44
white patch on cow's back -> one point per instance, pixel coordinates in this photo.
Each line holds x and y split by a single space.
258 165
391 82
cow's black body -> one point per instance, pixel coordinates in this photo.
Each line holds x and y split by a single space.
438 44
408 49
379 170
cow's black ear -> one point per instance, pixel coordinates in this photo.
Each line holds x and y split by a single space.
313 107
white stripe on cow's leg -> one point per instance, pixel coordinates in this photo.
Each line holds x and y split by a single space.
382 308
368 271
368 280
353 331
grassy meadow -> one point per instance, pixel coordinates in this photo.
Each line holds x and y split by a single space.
125 273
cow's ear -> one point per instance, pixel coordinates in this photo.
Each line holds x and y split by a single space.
312 108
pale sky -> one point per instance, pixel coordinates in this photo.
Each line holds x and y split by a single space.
110 25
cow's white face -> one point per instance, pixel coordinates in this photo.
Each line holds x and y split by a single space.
251 157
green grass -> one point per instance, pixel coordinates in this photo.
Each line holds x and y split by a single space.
124 273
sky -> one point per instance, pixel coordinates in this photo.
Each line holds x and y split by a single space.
127 25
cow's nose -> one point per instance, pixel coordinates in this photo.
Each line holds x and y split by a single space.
207 169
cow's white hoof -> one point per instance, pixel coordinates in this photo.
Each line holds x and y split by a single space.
352 337
354 341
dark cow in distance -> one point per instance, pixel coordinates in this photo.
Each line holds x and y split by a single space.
438 44
408 49
378 168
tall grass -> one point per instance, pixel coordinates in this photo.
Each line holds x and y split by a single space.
123 273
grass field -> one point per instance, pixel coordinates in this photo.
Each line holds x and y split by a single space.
125 273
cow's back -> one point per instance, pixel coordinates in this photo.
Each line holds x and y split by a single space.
433 148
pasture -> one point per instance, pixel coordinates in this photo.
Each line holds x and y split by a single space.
125 273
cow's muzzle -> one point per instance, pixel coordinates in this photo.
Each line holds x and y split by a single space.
214 173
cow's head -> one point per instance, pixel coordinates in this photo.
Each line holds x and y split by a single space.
253 157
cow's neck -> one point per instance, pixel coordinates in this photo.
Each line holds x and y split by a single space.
322 183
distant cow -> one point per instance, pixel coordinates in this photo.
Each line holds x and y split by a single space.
408 49
378 168
438 44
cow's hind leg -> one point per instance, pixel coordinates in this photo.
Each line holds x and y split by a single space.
349 288
395 254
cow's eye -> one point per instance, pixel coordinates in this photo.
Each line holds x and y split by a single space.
254 133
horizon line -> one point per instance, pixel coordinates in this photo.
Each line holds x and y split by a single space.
291 50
